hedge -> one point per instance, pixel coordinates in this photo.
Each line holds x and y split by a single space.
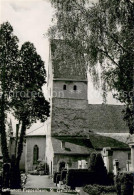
124 183
58 178
98 189
55 176
79 177
63 175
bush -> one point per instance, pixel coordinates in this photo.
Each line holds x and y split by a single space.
55 176
63 175
110 179
124 184
79 177
58 178
98 189
97 166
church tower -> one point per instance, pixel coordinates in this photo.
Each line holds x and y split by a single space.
67 84
68 74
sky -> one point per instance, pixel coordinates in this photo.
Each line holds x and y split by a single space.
30 20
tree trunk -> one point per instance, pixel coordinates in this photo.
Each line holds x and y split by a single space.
16 141
4 147
15 170
20 144
15 177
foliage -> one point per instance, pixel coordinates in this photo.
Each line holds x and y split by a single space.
79 177
124 183
8 61
22 76
96 174
58 176
110 179
97 166
41 166
55 175
29 105
63 175
98 189
103 33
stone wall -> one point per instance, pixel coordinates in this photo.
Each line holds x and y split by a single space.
69 92
70 103
122 157
71 160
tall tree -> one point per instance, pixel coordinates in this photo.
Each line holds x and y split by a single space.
22 75
104 34
8 60
28 102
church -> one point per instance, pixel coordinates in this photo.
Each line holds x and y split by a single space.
75 127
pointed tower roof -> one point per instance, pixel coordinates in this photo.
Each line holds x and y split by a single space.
67 64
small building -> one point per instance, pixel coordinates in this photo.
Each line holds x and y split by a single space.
68 152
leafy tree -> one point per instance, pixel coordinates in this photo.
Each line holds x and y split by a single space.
103 32
28 102
8 60
23 97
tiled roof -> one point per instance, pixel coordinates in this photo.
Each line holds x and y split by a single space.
95 118
70 148
122 137
99 142
106 118
82 145
66 62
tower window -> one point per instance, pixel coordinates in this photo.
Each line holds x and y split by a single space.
75 87
35 154
64 87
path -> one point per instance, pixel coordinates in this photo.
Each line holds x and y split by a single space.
37 181
39 193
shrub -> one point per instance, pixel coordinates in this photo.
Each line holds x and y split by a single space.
124 184
97 166
41 166
92 161
98 189
55 175
110 179
63 175
58 178
79 177
92 190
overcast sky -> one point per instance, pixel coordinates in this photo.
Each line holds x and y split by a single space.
30 20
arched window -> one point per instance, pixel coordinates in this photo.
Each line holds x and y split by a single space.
64 87
35 154
75 87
